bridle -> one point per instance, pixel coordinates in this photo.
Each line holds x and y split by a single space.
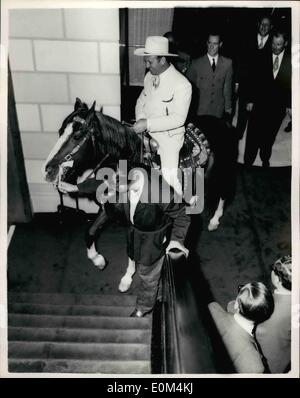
88 135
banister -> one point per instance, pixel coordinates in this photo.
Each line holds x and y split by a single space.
186 343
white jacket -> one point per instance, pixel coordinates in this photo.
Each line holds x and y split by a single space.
165 107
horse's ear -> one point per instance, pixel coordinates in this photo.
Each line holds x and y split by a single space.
90 113
78 104
101 109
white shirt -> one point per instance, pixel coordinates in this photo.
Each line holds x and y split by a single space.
211 59
280 56
264 38
244 323
283 292
135 194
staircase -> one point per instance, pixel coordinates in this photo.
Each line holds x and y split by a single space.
72 333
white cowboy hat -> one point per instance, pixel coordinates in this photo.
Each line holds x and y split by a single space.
155 45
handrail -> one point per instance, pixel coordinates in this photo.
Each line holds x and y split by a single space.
186 343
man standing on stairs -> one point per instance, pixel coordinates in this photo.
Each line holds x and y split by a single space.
155 228
157 224
250 53
269 99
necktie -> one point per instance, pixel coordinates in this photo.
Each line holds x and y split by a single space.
261 44
276 64
213 65
155 81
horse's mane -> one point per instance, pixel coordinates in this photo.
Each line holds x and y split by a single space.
116 139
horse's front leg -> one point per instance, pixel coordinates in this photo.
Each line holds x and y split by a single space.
91 236
126 280
97 258
215 220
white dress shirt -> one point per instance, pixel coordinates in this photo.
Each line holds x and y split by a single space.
244 323
280 56
135 194
211 59
264 40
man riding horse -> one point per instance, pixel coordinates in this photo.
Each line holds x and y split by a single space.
163 105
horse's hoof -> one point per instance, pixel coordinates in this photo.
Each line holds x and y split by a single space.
125 284
213 226
99 261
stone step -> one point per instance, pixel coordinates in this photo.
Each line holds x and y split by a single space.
82 310
82 351
78 322
80 335
78 366
73 299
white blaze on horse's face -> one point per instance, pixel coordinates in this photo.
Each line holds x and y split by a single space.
62 139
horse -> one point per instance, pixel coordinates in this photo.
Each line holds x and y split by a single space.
87 137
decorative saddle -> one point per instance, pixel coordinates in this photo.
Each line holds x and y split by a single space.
193 154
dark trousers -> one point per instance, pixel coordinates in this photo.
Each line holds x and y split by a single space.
148 289
263 125
242 118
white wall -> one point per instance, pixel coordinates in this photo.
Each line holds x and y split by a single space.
55 56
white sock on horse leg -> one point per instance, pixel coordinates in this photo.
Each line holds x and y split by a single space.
99 261
213 224
215 220
220 209
92 252
126 280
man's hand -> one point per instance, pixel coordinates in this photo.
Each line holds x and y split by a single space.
65 187
249 106
176 245
140 126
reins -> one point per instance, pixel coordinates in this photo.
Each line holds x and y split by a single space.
142 139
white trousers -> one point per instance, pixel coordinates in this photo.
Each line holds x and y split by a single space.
169 148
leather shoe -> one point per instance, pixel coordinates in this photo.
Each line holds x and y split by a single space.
137 314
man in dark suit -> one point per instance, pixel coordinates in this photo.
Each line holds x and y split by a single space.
254 304
156 218
269 98
274 335
254 48
211 76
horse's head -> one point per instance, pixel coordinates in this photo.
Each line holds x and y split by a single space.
74 148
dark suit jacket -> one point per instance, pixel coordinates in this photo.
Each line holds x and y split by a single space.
274 335
154 219
213 90
248 61
240 346
252 49
273 95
